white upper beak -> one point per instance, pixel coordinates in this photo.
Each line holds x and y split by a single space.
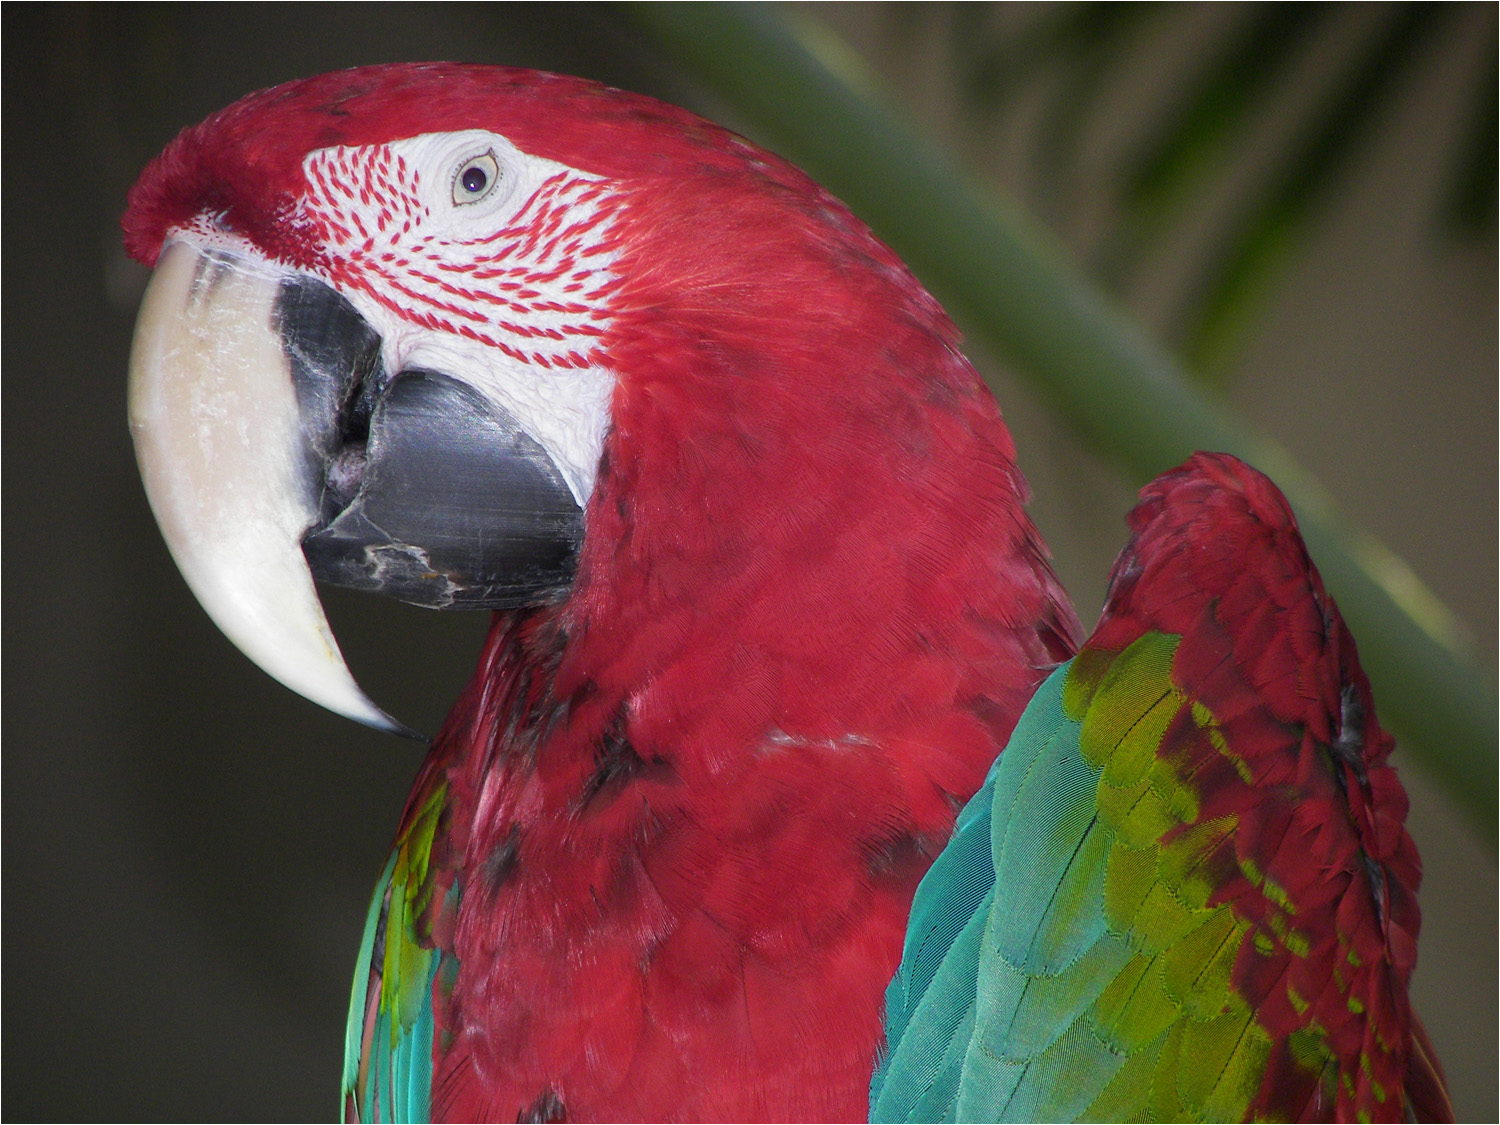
213 411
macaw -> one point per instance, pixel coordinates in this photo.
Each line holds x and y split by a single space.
767 606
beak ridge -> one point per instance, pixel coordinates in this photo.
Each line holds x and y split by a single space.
230 477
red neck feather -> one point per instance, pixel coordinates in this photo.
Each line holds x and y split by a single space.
808 611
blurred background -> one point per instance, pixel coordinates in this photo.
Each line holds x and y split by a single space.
1299 201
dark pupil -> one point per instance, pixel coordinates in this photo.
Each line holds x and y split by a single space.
474 180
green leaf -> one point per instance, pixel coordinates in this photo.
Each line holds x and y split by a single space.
1102 32
1229 285
1472 204
1190 142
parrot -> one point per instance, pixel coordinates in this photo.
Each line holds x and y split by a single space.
766 609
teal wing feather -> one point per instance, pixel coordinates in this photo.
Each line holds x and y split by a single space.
1048 950
929 1005
388 1058
956 934
1096 984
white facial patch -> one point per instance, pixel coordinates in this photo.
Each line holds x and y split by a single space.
485 263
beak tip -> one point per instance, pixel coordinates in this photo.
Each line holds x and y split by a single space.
214 414
391 725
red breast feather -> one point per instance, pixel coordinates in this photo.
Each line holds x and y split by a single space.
808 611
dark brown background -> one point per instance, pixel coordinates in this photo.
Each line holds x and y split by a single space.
188 848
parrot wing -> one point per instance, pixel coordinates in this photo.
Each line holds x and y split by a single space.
1185 891
388 1057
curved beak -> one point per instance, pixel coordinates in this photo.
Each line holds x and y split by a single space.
227 468
276 448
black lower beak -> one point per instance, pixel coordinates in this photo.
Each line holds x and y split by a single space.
429 492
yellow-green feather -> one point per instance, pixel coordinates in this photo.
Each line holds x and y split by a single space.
388 1066
1100 987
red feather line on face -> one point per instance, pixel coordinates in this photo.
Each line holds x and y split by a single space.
1321 862
244 163
454 286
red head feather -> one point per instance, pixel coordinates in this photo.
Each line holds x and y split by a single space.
245 162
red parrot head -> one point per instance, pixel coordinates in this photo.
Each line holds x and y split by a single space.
477 337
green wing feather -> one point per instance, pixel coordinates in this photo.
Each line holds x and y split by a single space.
1103 975
1198 898
388 1040
930 1002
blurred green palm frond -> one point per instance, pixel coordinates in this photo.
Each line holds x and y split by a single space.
1004 278
1356 63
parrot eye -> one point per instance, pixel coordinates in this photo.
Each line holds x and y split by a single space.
475 179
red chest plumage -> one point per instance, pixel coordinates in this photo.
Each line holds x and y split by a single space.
693 802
